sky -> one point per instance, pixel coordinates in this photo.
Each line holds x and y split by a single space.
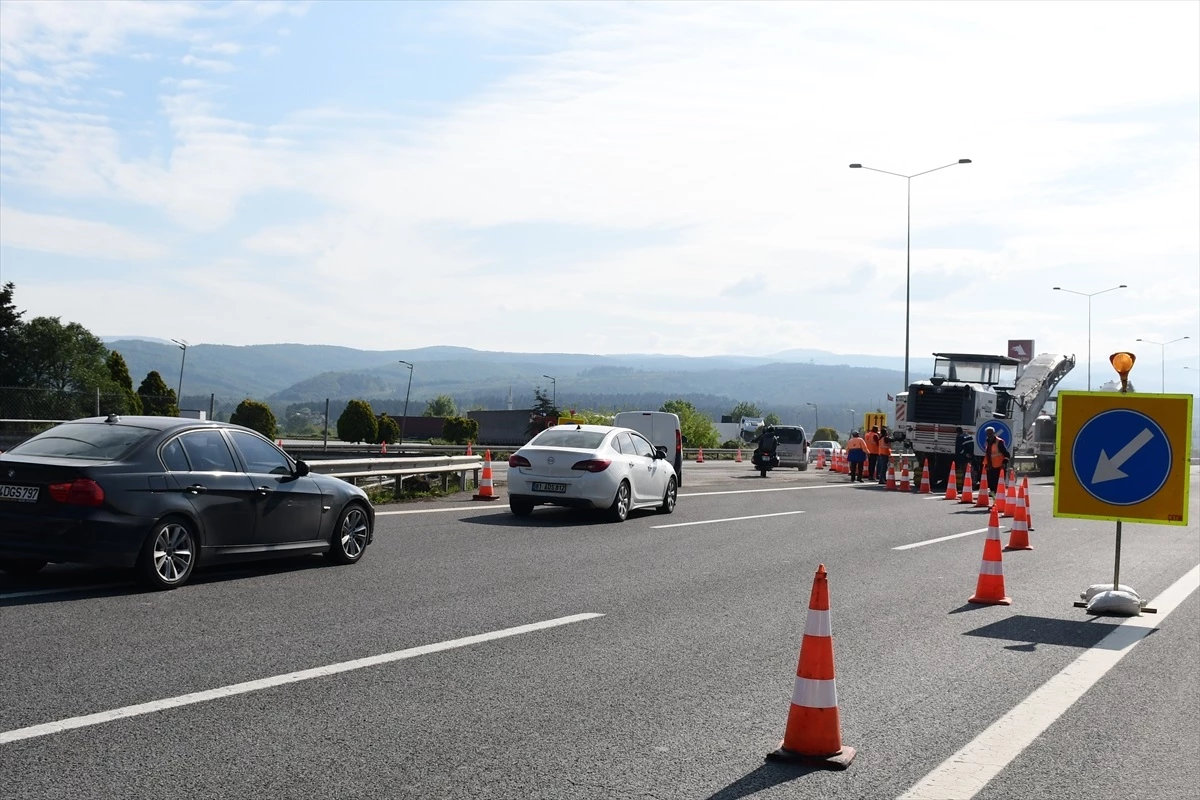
607 177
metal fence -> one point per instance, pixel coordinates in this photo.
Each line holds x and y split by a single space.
27 403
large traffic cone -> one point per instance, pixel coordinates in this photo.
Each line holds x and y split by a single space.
486 492
968 492
985 498
1018 536
989 590
905 486
891 477
925 488
952 483
813 736
738 459
700 456
1028 502
1000 495
1010 496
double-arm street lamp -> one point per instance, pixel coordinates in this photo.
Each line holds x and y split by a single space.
406 393
553 392
908 250
1089 296
183 345
816 417
1162 346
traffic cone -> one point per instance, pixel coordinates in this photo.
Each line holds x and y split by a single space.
985 498
700 456
279 443
924 488
821 459
905 486
968 492
813 736
952 483
1028 502
1018 537
989 590
738 458
486 492
1000 494
1010 497
891 477
469 452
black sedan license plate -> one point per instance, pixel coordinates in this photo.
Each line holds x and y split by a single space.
558 488
21 494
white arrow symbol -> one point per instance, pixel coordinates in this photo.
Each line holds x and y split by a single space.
1109 469
1018 350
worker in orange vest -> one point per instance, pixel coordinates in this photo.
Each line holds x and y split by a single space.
884 457
995 458
872 440
856 456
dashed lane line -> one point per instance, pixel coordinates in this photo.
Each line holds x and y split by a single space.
944 538
727 519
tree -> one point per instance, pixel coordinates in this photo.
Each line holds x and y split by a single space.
697 428
745 409
118 371
460 430
389 430
63 358
256 416
771 418
357 423
12 370
158 399
825 435
542 415
440 406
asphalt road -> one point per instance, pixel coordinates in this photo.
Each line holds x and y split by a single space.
677 688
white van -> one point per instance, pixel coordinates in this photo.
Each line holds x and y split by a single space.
793 446
661 428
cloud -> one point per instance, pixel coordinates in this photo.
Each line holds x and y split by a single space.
73 237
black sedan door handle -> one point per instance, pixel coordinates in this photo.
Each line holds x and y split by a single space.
196 488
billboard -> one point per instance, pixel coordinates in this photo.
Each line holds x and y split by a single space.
1021 350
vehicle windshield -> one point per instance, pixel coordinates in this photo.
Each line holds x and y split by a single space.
789 435
984 372
94 441
825 444
580 440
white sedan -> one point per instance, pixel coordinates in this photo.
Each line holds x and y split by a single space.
591 466
823 446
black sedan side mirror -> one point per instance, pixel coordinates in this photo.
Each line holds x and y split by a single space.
301 469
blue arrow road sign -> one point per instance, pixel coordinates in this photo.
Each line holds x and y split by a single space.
1003 432
1121 457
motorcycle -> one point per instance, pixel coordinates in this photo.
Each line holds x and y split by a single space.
764 460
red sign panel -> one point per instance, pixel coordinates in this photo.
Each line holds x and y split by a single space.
1021 349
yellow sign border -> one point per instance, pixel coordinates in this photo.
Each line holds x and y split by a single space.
1076 409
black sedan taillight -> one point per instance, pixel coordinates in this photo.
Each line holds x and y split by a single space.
79 492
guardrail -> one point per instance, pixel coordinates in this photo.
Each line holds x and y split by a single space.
397 469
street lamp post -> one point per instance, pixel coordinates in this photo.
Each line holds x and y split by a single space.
908 250
1162 346
553 392
406 393
1089 296
852 413
183 345
816 417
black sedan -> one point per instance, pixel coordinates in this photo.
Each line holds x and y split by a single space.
162 495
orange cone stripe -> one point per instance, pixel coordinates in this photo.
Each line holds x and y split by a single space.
818 652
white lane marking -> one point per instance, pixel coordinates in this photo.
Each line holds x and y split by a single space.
62 590
781 489
266 683
945 538
964 774
432 511
727 519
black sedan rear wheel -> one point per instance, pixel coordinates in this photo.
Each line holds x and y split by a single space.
169 554
351 536
20 566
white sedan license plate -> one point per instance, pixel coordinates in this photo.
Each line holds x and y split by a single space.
557 488
21 494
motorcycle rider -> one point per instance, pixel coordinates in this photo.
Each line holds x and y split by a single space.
766 441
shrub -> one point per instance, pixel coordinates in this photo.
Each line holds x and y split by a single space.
460 430
256 416
388 430
357 423
158 400
732 444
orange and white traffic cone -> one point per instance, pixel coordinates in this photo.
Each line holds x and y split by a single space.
486 492
989 590
821 459
985 498
924 487
1018 536
905 485
1010 497
738 459
469 452
700 456
383 448
1028 502
891 477
1000 496
813 736
952 483
968 492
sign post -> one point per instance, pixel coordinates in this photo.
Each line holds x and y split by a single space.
1126 458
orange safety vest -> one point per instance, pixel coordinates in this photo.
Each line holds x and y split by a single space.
992 455
872 442
885 449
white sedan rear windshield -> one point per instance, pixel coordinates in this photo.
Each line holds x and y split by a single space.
90 440
826 445
581 440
